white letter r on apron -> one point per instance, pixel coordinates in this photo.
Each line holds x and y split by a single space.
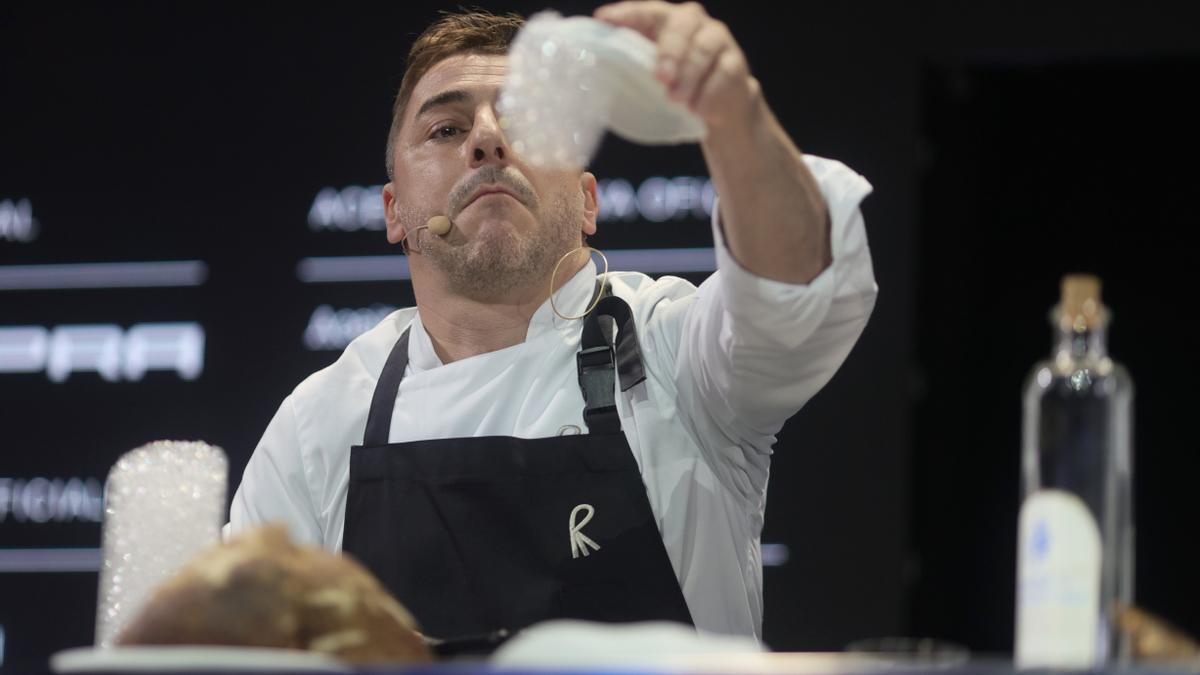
580 541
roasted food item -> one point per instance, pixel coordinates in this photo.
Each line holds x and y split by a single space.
1154 639
262 590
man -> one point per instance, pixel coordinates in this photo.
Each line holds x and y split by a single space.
510 464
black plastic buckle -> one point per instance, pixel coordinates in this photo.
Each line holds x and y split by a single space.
597 380
594 357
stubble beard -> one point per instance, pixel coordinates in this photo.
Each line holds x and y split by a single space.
500 262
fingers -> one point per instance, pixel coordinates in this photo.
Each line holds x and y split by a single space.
675 39
700 60
671 26
726 84
644 16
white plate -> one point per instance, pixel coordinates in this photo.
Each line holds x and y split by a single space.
193 658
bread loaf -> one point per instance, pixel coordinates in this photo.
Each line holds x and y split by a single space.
262 590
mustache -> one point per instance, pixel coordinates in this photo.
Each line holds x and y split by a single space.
507 177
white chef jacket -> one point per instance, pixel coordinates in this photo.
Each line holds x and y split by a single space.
726 364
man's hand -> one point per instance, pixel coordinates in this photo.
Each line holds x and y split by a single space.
773 215
700 63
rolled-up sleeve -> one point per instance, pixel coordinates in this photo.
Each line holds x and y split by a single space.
753 351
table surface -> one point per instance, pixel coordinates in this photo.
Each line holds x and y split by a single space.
707 664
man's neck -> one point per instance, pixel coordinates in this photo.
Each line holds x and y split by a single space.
461 327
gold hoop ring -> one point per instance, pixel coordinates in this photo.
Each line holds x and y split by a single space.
554 275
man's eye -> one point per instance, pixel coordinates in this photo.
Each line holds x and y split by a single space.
446 131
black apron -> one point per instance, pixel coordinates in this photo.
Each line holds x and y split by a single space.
485 536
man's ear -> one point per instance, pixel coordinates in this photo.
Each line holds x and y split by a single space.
391 214
591 203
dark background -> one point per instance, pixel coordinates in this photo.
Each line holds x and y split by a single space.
1008 144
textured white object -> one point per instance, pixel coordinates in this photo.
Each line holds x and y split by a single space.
164 503
568 643
570 79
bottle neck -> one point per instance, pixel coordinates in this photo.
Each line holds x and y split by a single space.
1079 345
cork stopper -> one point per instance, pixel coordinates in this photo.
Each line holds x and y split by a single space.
1080 307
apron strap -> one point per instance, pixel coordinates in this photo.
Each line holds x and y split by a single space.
601 362
383 401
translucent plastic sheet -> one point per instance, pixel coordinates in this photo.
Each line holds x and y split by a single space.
571 79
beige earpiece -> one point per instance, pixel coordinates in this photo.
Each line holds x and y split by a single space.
439 225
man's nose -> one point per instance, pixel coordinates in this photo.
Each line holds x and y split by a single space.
488 142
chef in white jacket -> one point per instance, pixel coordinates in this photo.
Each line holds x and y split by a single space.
516 447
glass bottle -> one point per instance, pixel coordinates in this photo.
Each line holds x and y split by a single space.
1075 541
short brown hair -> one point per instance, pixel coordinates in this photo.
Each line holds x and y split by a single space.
467 32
